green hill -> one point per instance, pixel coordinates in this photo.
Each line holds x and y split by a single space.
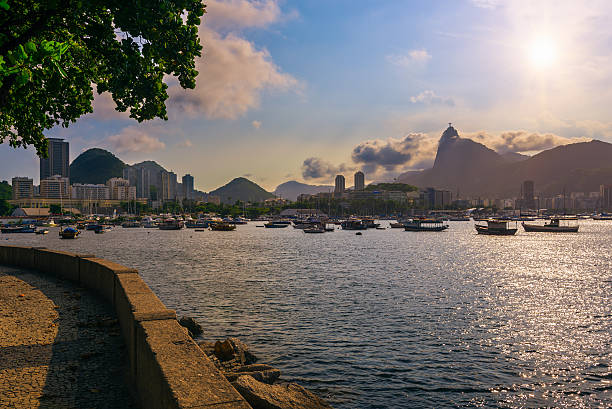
95 166
401 187
241 189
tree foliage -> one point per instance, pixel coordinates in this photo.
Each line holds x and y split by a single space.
52 53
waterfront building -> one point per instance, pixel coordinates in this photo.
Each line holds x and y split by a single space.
57 161
340 184
359 181
120 189
433 198
605 197
90 192
55 187
528 197
188 186
23 188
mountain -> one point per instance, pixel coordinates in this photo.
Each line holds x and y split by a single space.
292 189
150 165
95 166
514 156
241 189
475 170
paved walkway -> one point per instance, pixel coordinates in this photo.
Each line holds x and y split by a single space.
60 346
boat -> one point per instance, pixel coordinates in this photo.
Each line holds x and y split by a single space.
459 219
381 228
42 231
370 223
396 225
239 220
26 228
425 225
69 233
330 228
554 226
603 216
275 225
99 229
200 230
353 224
222 226
496 227
93 226
171 224
130 225
314 229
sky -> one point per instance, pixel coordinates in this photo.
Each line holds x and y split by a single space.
304 90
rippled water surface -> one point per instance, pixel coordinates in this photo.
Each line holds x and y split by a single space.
394 319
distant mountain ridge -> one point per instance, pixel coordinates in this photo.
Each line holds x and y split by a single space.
292 189
241 189
473 169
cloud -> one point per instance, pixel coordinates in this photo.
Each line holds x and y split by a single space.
486 4
522 141
185 144
256 124
235 14
428 97
133 139
414 150
104 108
410 59
232 74
317 168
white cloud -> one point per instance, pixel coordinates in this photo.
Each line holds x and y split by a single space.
414 150
410 59
235 14
256 124
185 144
134 139
232 74
522 141
486 4
429 97
104 108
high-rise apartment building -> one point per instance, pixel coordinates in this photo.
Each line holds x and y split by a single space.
23 188
359 181
528 196
340 184
57 161
188 186
605 197
55 187
140 178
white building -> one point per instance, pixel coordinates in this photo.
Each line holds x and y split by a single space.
90 192
55 187
120 189
23 188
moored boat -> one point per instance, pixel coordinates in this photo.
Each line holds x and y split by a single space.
171 224
425 225
26 228
275 225
69 233
42 231
222 226
314 229
554 226
131 224
496 227
396 225
353 224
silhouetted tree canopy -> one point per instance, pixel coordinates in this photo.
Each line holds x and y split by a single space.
52 53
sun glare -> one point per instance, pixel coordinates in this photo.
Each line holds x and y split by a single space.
542 52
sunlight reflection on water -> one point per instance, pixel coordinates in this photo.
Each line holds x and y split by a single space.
394 318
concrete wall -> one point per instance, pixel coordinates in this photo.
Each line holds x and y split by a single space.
168 369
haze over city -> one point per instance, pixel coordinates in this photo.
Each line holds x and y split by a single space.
334 88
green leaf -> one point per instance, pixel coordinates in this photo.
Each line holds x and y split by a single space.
4 4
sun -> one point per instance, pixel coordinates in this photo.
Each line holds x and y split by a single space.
542 52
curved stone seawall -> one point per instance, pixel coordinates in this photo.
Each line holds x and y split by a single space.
167 368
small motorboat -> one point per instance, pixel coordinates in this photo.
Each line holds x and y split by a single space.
222 226
69 233
397 225
314 229
275 225
496 227
381 228
99 229
200 230
27 228
42 231
554 226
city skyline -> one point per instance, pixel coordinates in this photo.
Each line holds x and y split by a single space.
507 73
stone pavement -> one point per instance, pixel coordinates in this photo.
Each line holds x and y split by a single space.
60 346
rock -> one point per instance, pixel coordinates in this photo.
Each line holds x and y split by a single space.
207 347
195 329
233 348
286 396
259 372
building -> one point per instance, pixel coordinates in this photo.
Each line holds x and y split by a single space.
359 181
23 188
90 192
340 185
436 199
120 189
528 197
188 186
139 178
55 187
57 161
605 197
